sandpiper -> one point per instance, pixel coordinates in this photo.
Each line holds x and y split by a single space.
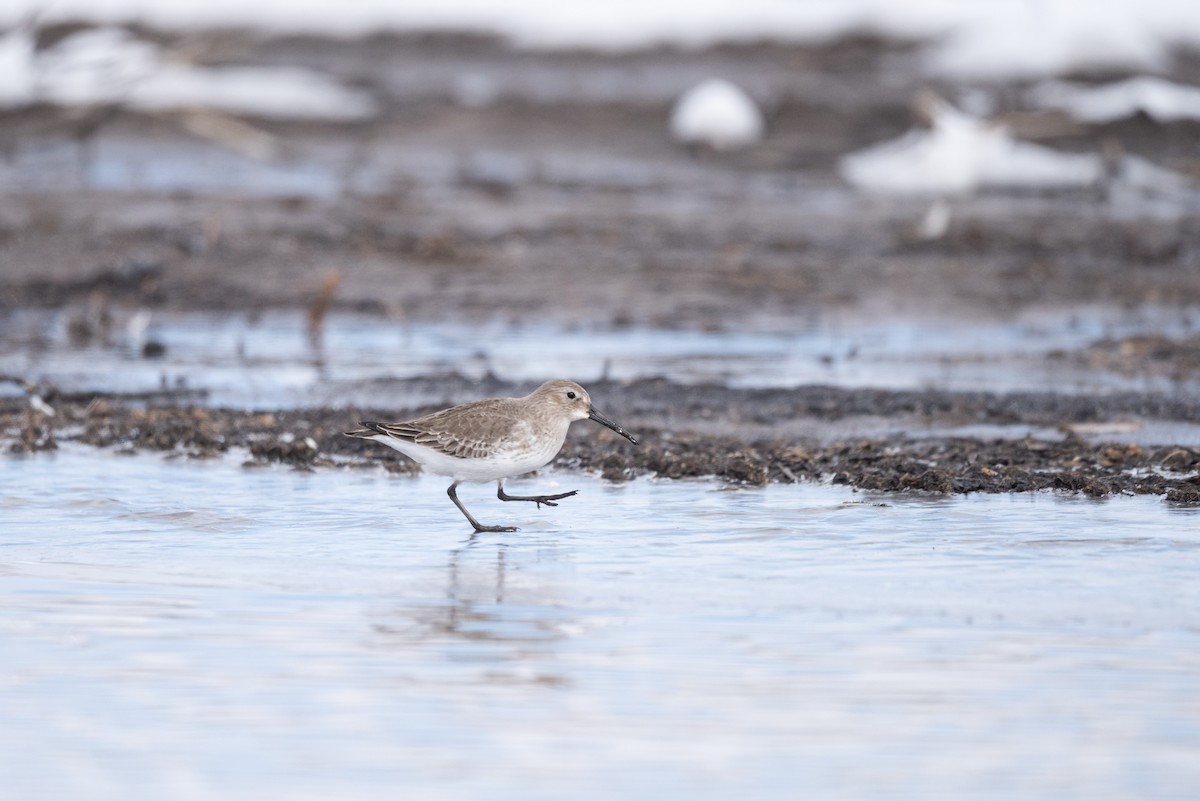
493 439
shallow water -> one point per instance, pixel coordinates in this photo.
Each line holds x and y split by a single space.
176 629
269 360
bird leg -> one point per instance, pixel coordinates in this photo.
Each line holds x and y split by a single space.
549 500
478 526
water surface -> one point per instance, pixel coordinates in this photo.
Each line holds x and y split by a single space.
178 629
269 359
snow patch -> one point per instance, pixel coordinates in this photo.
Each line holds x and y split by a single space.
615 24
16 69
960 153
719 114
980 39
1016 40
111 66
1159 99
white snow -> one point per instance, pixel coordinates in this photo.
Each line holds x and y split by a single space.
961 153
1050 37
719 114
536 23
16 68
110 65
1159 99
988 39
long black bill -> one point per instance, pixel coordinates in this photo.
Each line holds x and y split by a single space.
604 421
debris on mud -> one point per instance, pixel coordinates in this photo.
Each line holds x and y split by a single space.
957 465
36 434
685 446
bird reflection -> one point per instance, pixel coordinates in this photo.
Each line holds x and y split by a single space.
458 596
476 617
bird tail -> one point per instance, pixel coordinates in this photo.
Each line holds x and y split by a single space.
367 431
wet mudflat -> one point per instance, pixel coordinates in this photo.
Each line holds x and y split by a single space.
430 254
1048 445
339 634
748 408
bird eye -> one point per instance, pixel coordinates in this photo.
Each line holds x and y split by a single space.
571 395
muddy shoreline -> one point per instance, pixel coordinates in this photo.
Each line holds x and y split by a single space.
559 198
1084 456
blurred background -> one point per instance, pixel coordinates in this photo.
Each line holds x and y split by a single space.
861 275
766 193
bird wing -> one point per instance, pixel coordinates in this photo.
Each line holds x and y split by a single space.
471 431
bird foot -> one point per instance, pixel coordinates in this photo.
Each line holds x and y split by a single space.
549 500
497 529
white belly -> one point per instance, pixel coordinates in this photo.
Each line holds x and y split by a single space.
491 468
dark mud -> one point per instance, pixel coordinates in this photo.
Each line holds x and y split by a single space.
676 445
563 197
587 255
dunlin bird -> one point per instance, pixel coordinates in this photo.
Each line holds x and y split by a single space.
493 439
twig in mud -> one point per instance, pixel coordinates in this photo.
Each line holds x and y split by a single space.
318 310
238 136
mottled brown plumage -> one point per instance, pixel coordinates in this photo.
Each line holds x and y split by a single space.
493 439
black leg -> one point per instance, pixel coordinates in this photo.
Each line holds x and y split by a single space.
478 526
549 500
